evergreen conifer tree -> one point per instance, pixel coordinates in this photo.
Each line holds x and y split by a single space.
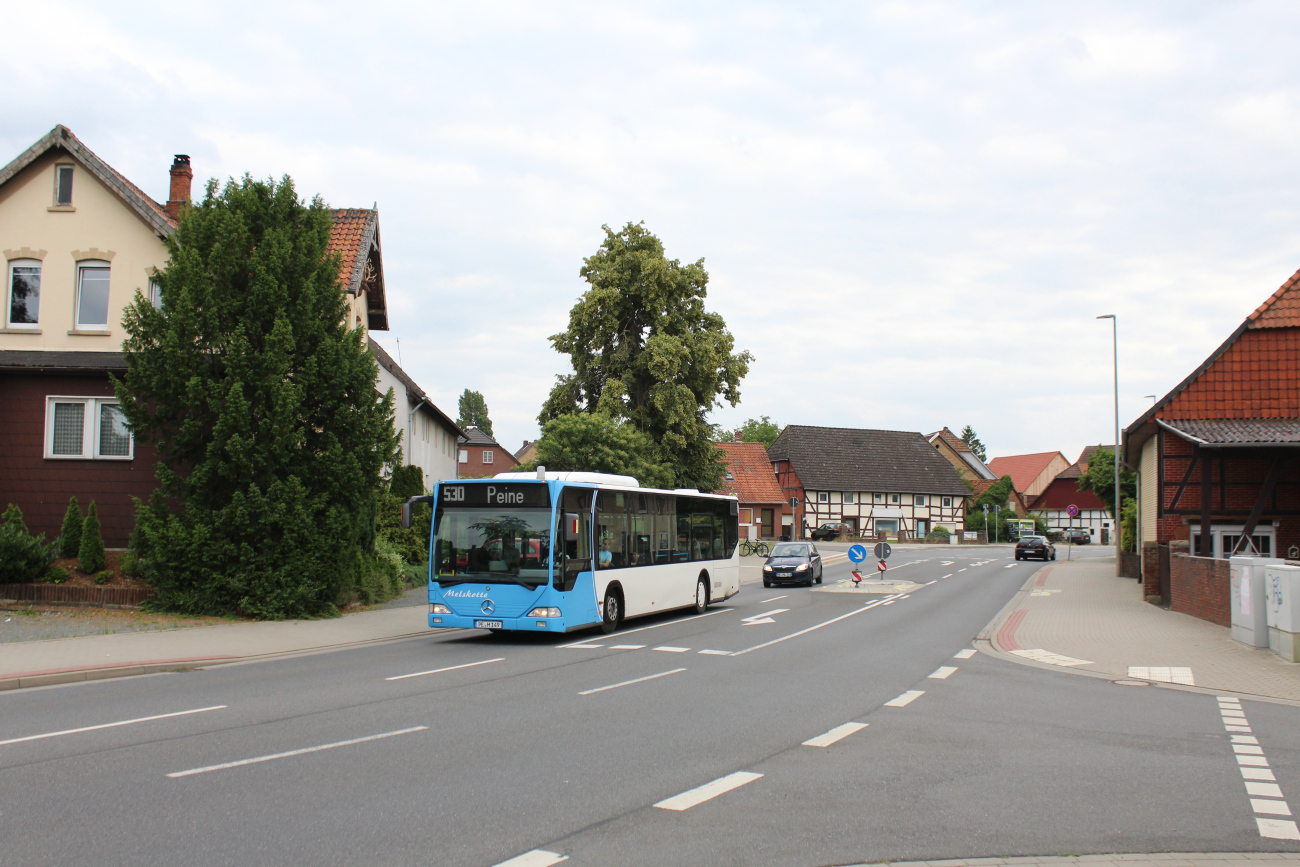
260 402
70 538
90 556
13 516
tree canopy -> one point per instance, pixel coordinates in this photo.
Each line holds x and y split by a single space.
762 430
594 442
474 412
261 405
645 351
1100 478
973 443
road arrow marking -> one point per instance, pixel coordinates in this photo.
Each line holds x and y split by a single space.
765 617
947 562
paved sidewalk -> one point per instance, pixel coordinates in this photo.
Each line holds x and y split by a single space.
1079 615
1176 859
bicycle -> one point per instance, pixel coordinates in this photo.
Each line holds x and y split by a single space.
748 547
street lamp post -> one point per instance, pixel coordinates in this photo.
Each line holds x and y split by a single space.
1119 504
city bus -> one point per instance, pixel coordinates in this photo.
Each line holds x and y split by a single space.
561 551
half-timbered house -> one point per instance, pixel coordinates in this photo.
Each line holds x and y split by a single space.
1055 501
874 482
750 479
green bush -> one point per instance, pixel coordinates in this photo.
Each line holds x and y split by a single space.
381 574
13 516
57 575
23 557
938 534
407 482
104 577
70 538
90 555
129 564
411 543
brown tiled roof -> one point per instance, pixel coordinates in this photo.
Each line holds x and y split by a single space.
62 138
1281 310
1246 431
852 459
1064 492
474 436
350 237
753 480
951 439
1022 469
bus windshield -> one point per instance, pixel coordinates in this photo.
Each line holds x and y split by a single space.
499 546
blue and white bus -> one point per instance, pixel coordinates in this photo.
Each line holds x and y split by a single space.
555 552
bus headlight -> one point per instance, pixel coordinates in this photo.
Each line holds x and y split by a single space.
543 612
438 608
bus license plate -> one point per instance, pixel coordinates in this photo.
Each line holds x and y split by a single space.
487 624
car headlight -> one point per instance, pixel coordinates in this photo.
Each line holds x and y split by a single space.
801 567
767 568
543 612
438 608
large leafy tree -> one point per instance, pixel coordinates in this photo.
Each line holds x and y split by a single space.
972 441
646 351
261 404
760 430
594 442
1100 478
474 412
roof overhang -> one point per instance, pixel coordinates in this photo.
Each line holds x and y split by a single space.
1256 433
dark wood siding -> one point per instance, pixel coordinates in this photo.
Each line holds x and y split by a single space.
41 487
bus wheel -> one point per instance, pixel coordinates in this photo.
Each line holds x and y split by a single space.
613 612
701 595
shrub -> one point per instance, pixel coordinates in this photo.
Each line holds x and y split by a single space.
23 557
129 564
381 576
104 577
407 482
57 575
70 540
13 516
90 556
938 534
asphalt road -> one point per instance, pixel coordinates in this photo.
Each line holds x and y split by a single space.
471 749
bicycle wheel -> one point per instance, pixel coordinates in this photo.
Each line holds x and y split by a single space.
761 549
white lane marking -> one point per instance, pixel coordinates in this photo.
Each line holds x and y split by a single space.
1163 673
836 734
949 575
942 672
928 583
759 618
653 626
1270 808
668 649
125 722
1040 655
890 602
627 647
1253 761
1264 790
774 598
1244 739
1278 829
583 646
906 698
1257 774
1247 750
448 668
961 570
1010 566
964 654
630 682
946 562
866 607
535 858
1232 714
223 766
1238 728
708 791
716 652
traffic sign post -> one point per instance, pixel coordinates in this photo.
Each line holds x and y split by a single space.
882 551
857 553
1073 511
881 567
794 504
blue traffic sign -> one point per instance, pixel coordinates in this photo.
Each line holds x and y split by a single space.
1072 510
857 553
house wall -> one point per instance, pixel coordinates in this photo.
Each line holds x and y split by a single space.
475 467
426 441
965 470
1148 494
868 506
100 226
1199 586
40 486
1054 468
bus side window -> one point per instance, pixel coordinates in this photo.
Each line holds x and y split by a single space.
577 552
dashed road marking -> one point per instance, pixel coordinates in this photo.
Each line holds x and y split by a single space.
866 607
774 598
448 668
125 722
716 652
1010 566
535 858
630 682
906 698
668 649
961 570
627 647
836 734
708 791
1270 808
949 575
223 766
964 654
943 672
1265 794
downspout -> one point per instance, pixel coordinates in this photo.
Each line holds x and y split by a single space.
410 432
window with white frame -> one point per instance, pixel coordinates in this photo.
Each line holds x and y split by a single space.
848 498
487 456
24 293
823 497
464 456
63 185
155 294
92 295
893 498
919 500
86 428
947 502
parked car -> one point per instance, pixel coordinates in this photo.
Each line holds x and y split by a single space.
1078 536
793 563
1035 546
826 532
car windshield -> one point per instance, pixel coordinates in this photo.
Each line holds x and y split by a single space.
498 546
790 549
1029 540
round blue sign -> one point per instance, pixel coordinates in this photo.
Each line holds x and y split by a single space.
857 553
1072 510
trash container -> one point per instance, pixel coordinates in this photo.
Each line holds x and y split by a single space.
952 538
1249 615
1282 584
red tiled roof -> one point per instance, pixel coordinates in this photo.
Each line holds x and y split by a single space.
1254 377
957 443
1022 469
753 480
1065 492
348 239
1281 310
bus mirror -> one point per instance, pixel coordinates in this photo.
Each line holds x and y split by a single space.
406 509
570 526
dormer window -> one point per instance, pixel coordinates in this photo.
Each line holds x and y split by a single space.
730 477
63 186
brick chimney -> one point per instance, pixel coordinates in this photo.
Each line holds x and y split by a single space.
182 176
736 435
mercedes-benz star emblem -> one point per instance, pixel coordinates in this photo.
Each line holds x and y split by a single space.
487 606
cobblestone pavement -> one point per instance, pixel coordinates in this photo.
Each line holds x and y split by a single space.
1080 610
1176 859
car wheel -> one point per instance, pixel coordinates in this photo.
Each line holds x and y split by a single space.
701 596
1017 555
767 583
612 612
1053 555
819 576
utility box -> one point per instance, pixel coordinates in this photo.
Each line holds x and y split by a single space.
1249 608
1283 610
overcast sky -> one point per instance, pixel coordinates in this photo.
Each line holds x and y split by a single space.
910 212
